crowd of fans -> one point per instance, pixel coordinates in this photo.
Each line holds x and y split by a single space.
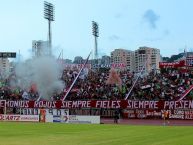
164 85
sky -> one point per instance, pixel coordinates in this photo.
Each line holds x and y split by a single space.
128 24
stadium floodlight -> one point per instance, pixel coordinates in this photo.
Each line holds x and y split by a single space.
95 32
49 15
95 29
48 11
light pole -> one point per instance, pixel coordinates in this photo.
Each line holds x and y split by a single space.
49 15
95 32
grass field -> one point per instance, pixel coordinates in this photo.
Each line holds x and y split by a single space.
76 134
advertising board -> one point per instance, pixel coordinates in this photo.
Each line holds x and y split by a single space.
80 119
61 118
84 119
19 118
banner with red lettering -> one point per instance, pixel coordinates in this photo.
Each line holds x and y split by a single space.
178 64
118 65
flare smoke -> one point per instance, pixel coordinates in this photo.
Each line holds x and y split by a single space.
44 72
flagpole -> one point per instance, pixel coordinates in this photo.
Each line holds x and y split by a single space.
76 78
127 95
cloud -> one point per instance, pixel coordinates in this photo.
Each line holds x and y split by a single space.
114 37
166 32
151 18
118 15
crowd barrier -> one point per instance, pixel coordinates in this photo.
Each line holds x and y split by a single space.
79 119
52 118
19 118
50 115
103 108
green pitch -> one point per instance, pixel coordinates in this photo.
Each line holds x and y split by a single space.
76 134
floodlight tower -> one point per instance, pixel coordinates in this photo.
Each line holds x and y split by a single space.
49 15
95 32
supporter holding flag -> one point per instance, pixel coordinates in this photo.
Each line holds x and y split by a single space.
114 78
83 74
25 95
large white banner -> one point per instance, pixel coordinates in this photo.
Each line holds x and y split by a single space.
63 116
19 118
84 119
80 119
